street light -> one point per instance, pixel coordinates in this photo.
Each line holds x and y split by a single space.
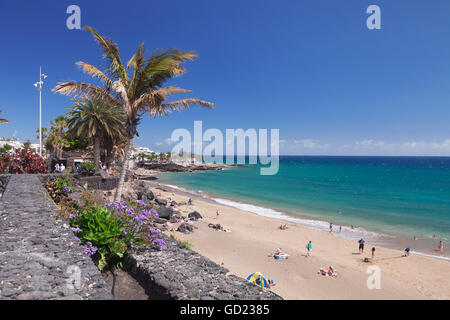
38 85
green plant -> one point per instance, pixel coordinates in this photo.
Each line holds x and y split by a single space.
62 183
87 166
186 244
102 235
5 148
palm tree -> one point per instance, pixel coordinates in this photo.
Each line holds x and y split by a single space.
136 87
44 133
3 120
97 120
56 140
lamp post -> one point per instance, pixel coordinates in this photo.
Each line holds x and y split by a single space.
38 85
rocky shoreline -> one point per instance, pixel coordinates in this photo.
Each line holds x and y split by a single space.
174 167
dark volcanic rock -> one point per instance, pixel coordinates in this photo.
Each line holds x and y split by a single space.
164 212
186 228
148 196
161 220
162 202
215 226
195 215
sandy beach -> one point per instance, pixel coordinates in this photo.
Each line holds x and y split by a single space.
253 238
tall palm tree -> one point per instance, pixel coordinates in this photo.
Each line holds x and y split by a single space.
95 119
3 120
137 87
44 131
56 137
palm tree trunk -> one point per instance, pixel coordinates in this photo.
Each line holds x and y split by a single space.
97 152
123 172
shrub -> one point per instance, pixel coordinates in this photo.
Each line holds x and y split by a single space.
5 148
63 183
87 167
107 232
102 236
60 187
22 161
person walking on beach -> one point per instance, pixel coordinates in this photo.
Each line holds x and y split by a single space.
340 229
441 246
373 253
361 245
308 248
331 227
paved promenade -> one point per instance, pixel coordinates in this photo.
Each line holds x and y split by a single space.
39 258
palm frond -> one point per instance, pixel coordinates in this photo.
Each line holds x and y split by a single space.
178 105
95 73
111 54
76 89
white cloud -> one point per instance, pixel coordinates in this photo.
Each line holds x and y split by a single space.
310 144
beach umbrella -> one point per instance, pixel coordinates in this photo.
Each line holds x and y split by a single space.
258 279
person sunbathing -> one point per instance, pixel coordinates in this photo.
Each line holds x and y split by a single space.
328 272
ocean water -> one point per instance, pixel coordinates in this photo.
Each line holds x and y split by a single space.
389 196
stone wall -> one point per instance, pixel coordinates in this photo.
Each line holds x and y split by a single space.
177 273
39 258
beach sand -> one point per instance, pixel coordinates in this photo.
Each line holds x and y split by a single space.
253 238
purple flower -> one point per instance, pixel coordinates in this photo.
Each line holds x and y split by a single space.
155 214
124 233
67 189
89 249
141 203
77 239
159 243
74 215
130 211
76 230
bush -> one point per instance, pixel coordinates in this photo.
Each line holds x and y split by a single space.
60 187
22 162
87 167
5 148
102 236
107 232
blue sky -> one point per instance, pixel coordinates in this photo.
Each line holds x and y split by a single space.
309 68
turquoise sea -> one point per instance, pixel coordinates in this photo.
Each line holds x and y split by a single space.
388 196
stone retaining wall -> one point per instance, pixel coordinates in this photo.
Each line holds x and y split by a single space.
39 258
177 273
